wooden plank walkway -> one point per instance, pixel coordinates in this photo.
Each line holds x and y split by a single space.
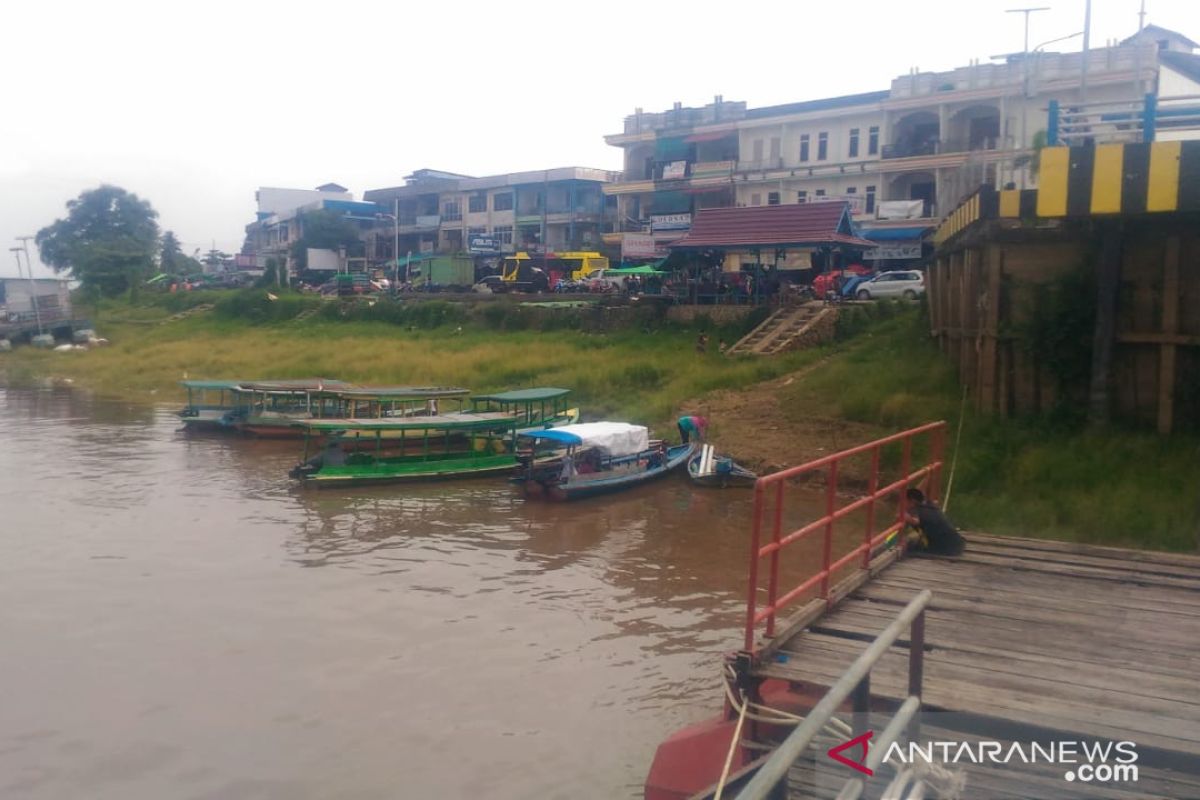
1035 636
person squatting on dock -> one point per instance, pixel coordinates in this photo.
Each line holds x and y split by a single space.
934 534
689 425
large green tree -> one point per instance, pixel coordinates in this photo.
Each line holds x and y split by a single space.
107 241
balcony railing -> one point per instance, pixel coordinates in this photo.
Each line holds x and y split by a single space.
935 147
761 164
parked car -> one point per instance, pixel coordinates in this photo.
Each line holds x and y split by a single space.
490 284
909 284
824 283
599 280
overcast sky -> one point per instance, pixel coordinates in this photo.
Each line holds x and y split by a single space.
194 105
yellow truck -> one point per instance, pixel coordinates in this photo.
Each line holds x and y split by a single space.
564 266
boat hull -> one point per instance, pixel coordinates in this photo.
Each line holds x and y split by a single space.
737 477
207 420
601 483
385 472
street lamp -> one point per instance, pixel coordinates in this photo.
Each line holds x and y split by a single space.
395 218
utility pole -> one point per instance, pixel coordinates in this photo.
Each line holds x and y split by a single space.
1142 17
1026 12
1025 79
396 241
1087 36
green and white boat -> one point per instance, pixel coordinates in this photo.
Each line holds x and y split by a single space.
211 405
534 409
398 449
270 409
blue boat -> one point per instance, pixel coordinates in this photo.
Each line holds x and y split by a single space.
594 458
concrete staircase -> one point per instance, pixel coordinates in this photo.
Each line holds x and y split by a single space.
782 331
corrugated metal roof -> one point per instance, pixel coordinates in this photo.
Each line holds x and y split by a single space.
773 226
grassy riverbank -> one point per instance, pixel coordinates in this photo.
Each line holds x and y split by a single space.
1022 477
1027 477
637 373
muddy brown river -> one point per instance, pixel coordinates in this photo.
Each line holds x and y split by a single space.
179 621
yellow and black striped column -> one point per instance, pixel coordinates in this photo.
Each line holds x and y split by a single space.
1118 179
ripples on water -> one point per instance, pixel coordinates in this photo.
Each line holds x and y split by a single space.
181 621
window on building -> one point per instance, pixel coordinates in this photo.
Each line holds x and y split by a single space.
870 199
804 147
503 232
283 233
451 210
756 199
477 231
758 149
854 143
822 146
851 190
772 198
802 196
477 203
820 193
776 145
872 140
502 202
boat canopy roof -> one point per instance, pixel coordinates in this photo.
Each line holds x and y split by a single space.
210 384
494 421
612 438
533 395
397 392
300 385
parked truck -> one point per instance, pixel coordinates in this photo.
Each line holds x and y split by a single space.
520 274
447 273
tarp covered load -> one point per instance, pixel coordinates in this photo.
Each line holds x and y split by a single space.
614 439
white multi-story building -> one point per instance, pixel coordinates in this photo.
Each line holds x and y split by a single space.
901 157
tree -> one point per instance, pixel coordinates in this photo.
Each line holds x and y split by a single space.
170 259
215 259
324 230
107 241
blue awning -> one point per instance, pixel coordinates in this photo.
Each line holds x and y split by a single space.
894 234
555 435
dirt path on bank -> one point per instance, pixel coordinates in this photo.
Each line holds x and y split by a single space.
750 425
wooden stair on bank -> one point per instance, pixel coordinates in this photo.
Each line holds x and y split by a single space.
778 332
306 314
200 309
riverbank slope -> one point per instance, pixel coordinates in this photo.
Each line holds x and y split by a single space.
1029 477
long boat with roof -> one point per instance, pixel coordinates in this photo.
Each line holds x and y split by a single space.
534 408
416 449
271 408
576 461
211 405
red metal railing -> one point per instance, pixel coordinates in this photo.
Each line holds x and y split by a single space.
776 483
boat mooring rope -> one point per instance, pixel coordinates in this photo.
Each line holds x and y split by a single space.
962 407
733 745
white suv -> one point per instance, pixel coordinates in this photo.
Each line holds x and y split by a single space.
909 284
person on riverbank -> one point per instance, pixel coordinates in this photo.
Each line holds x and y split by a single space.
934 533
689 425
702 344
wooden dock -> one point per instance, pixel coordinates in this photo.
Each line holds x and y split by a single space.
1032 638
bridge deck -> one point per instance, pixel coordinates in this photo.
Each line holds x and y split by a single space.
1097 642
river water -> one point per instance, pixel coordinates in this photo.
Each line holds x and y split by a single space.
179 621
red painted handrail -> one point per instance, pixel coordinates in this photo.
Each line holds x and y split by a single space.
776 602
